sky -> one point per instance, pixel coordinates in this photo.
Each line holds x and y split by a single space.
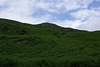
78 14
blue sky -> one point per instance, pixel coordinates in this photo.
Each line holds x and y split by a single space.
78 14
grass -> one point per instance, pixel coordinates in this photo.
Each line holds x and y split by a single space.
47 45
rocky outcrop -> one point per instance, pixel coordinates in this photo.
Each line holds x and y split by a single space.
48 25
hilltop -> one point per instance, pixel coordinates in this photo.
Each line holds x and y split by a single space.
15 27
47 45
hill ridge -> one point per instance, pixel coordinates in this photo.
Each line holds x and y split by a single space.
8 26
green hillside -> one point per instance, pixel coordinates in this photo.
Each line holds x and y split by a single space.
47 45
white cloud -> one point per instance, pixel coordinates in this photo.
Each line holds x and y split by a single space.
27 19
92 24
75 4
69 23
28 7
90 19
62 5
85 13
45 6
95 8
22 10
2 2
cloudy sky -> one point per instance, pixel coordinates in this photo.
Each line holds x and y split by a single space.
78 14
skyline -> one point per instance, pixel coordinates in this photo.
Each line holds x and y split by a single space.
78 14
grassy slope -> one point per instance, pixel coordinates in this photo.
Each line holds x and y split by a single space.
47 45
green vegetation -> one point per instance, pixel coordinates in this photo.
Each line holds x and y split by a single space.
47 45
